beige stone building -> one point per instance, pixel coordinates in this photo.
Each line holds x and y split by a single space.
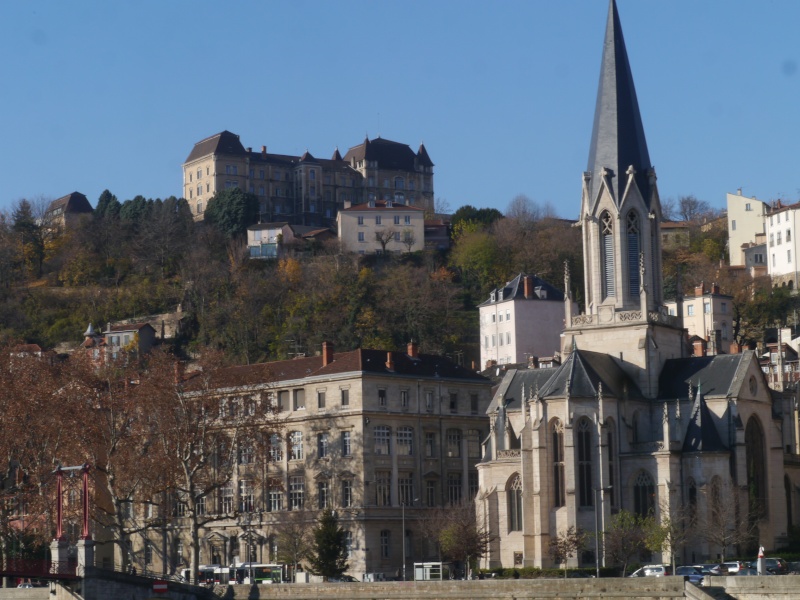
709 315
629 421
304 190
379 436
745 222
379 226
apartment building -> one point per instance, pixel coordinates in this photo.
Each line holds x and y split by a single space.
305 190
520 320
382 437
708 315
745 222
781 230
381 226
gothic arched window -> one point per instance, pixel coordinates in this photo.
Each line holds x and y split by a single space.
611 459
557 437
644 495
584 447
607 254
756 469
514 494
634 247
692 501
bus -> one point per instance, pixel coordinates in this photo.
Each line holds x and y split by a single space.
259 572
205 574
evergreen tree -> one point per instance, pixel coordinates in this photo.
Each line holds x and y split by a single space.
107 205
231 211
329 551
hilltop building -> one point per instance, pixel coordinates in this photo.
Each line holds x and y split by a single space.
629 420
745 223
304 190
67 211
709 315
381 226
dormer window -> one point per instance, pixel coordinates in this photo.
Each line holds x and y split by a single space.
494 296
500 296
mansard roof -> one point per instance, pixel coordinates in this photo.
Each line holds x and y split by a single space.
585 371
71 203
224 142
515 290
701 432
388 154
618 139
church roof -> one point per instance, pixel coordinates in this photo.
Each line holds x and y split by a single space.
701 433
585 371
618 134
522 382
716 375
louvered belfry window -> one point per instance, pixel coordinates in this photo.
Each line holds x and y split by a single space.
634 247
607 254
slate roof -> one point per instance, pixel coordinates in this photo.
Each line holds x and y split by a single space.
389 154
127 327
585 371
381 205
515 290
71 203
529 380
618 134
701 433
716 375
224 142
362 360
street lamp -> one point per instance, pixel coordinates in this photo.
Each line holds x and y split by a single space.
596 528
403 532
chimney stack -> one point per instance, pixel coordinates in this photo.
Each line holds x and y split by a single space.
715 288
698 290
527 282
412 349
389 361
327 353
700 347
263 152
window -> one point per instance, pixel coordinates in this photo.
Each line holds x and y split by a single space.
454 488
430 444
246 454
377 220
690 310
403 398
322 445
321 399
299 399
789 256
397 219
474 443
473 485
382 439
453 402
405 487
345 397
707 308
430 492
360 220
323 494
347 492
634 247
429 401
473 404
296 442
396 236
283 399
405 441
275 448
275 497
508 315
454 443
733 225
382 397
148 552
724 330
297 489
385 543
346 448
226 498
747 206
200 505
611 457
607 254
361 236
723 308
514 495
584 447
348 543
557 437
383 488
508 338
246 496
407 220
644 495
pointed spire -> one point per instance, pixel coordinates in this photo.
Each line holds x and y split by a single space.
336 155
618 140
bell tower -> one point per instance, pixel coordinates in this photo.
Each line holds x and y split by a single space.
620 220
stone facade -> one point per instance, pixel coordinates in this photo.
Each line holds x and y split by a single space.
366 228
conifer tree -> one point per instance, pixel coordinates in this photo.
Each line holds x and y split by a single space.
329 553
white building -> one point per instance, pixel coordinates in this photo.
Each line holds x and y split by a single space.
781 225
745 222
521 320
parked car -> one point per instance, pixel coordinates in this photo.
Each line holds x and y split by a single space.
693 574
343 579
713 569
776 566
652 571
749 571
734 566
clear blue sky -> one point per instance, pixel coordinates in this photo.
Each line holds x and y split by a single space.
113 95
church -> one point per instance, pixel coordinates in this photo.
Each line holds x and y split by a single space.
630 420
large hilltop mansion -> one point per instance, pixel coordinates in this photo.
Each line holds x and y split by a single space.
304 190
629 420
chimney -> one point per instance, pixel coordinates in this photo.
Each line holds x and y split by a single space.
263 152
698 291
389 361
527 282
735 348
699 347
412 349
715 288
327 353
249 149
348 204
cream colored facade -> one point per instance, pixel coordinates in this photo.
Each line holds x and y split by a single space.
709 315
781 233
364 433
400 226
745 221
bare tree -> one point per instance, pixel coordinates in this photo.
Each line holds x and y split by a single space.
456 532
408 239
295 537
384 236
672 532
728 524
691 209
566 545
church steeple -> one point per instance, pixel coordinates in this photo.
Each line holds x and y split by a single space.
618 140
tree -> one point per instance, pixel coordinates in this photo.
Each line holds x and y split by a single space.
526 210
728 524
671 533
691 209
482 216
232 211
328 554
294 537
108 206
456 531
384 236
409 239
566 545
27 225
626 537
